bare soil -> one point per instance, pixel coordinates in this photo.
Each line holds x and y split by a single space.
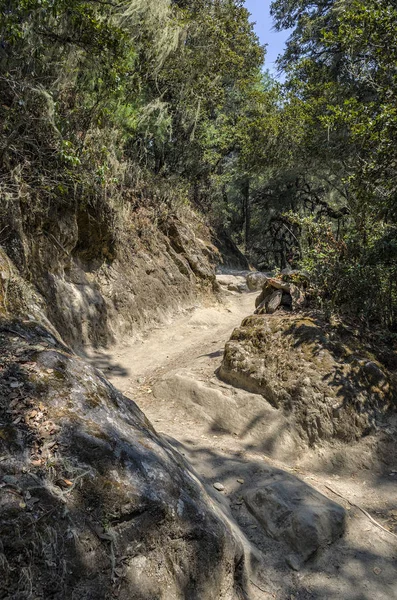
171 376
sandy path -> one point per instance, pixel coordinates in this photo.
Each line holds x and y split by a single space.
361 566
183 341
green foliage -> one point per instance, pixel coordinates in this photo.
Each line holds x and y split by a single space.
100 96
341 64
345 275
166 102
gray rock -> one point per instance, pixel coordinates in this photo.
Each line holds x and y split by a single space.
292 511
279 285
293 561
219 486
255 281
261 309
164 538
269 287
374 373
267 290
272 302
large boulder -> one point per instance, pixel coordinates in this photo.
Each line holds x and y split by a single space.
314 371
256 280
93 503
102 277
291 511
230 256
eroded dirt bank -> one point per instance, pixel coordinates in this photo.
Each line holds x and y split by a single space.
237 439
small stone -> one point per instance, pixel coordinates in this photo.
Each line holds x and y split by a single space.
16 384
218 486
233 287
255 281
240 481
377 571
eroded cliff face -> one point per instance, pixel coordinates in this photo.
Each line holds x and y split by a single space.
103 274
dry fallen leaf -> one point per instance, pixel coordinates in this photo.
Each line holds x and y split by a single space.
64 483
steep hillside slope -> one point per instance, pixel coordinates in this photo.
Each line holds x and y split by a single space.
104 274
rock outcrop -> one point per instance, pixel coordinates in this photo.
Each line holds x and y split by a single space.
93 503
317 372
103 277
230 255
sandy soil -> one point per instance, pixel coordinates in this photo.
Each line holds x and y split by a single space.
186 353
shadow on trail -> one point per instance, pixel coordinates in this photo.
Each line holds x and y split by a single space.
216 354
347 569
106 363
88 491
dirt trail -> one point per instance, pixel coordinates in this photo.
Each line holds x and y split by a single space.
171 376
189 337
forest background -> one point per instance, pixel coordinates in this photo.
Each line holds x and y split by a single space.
158 105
